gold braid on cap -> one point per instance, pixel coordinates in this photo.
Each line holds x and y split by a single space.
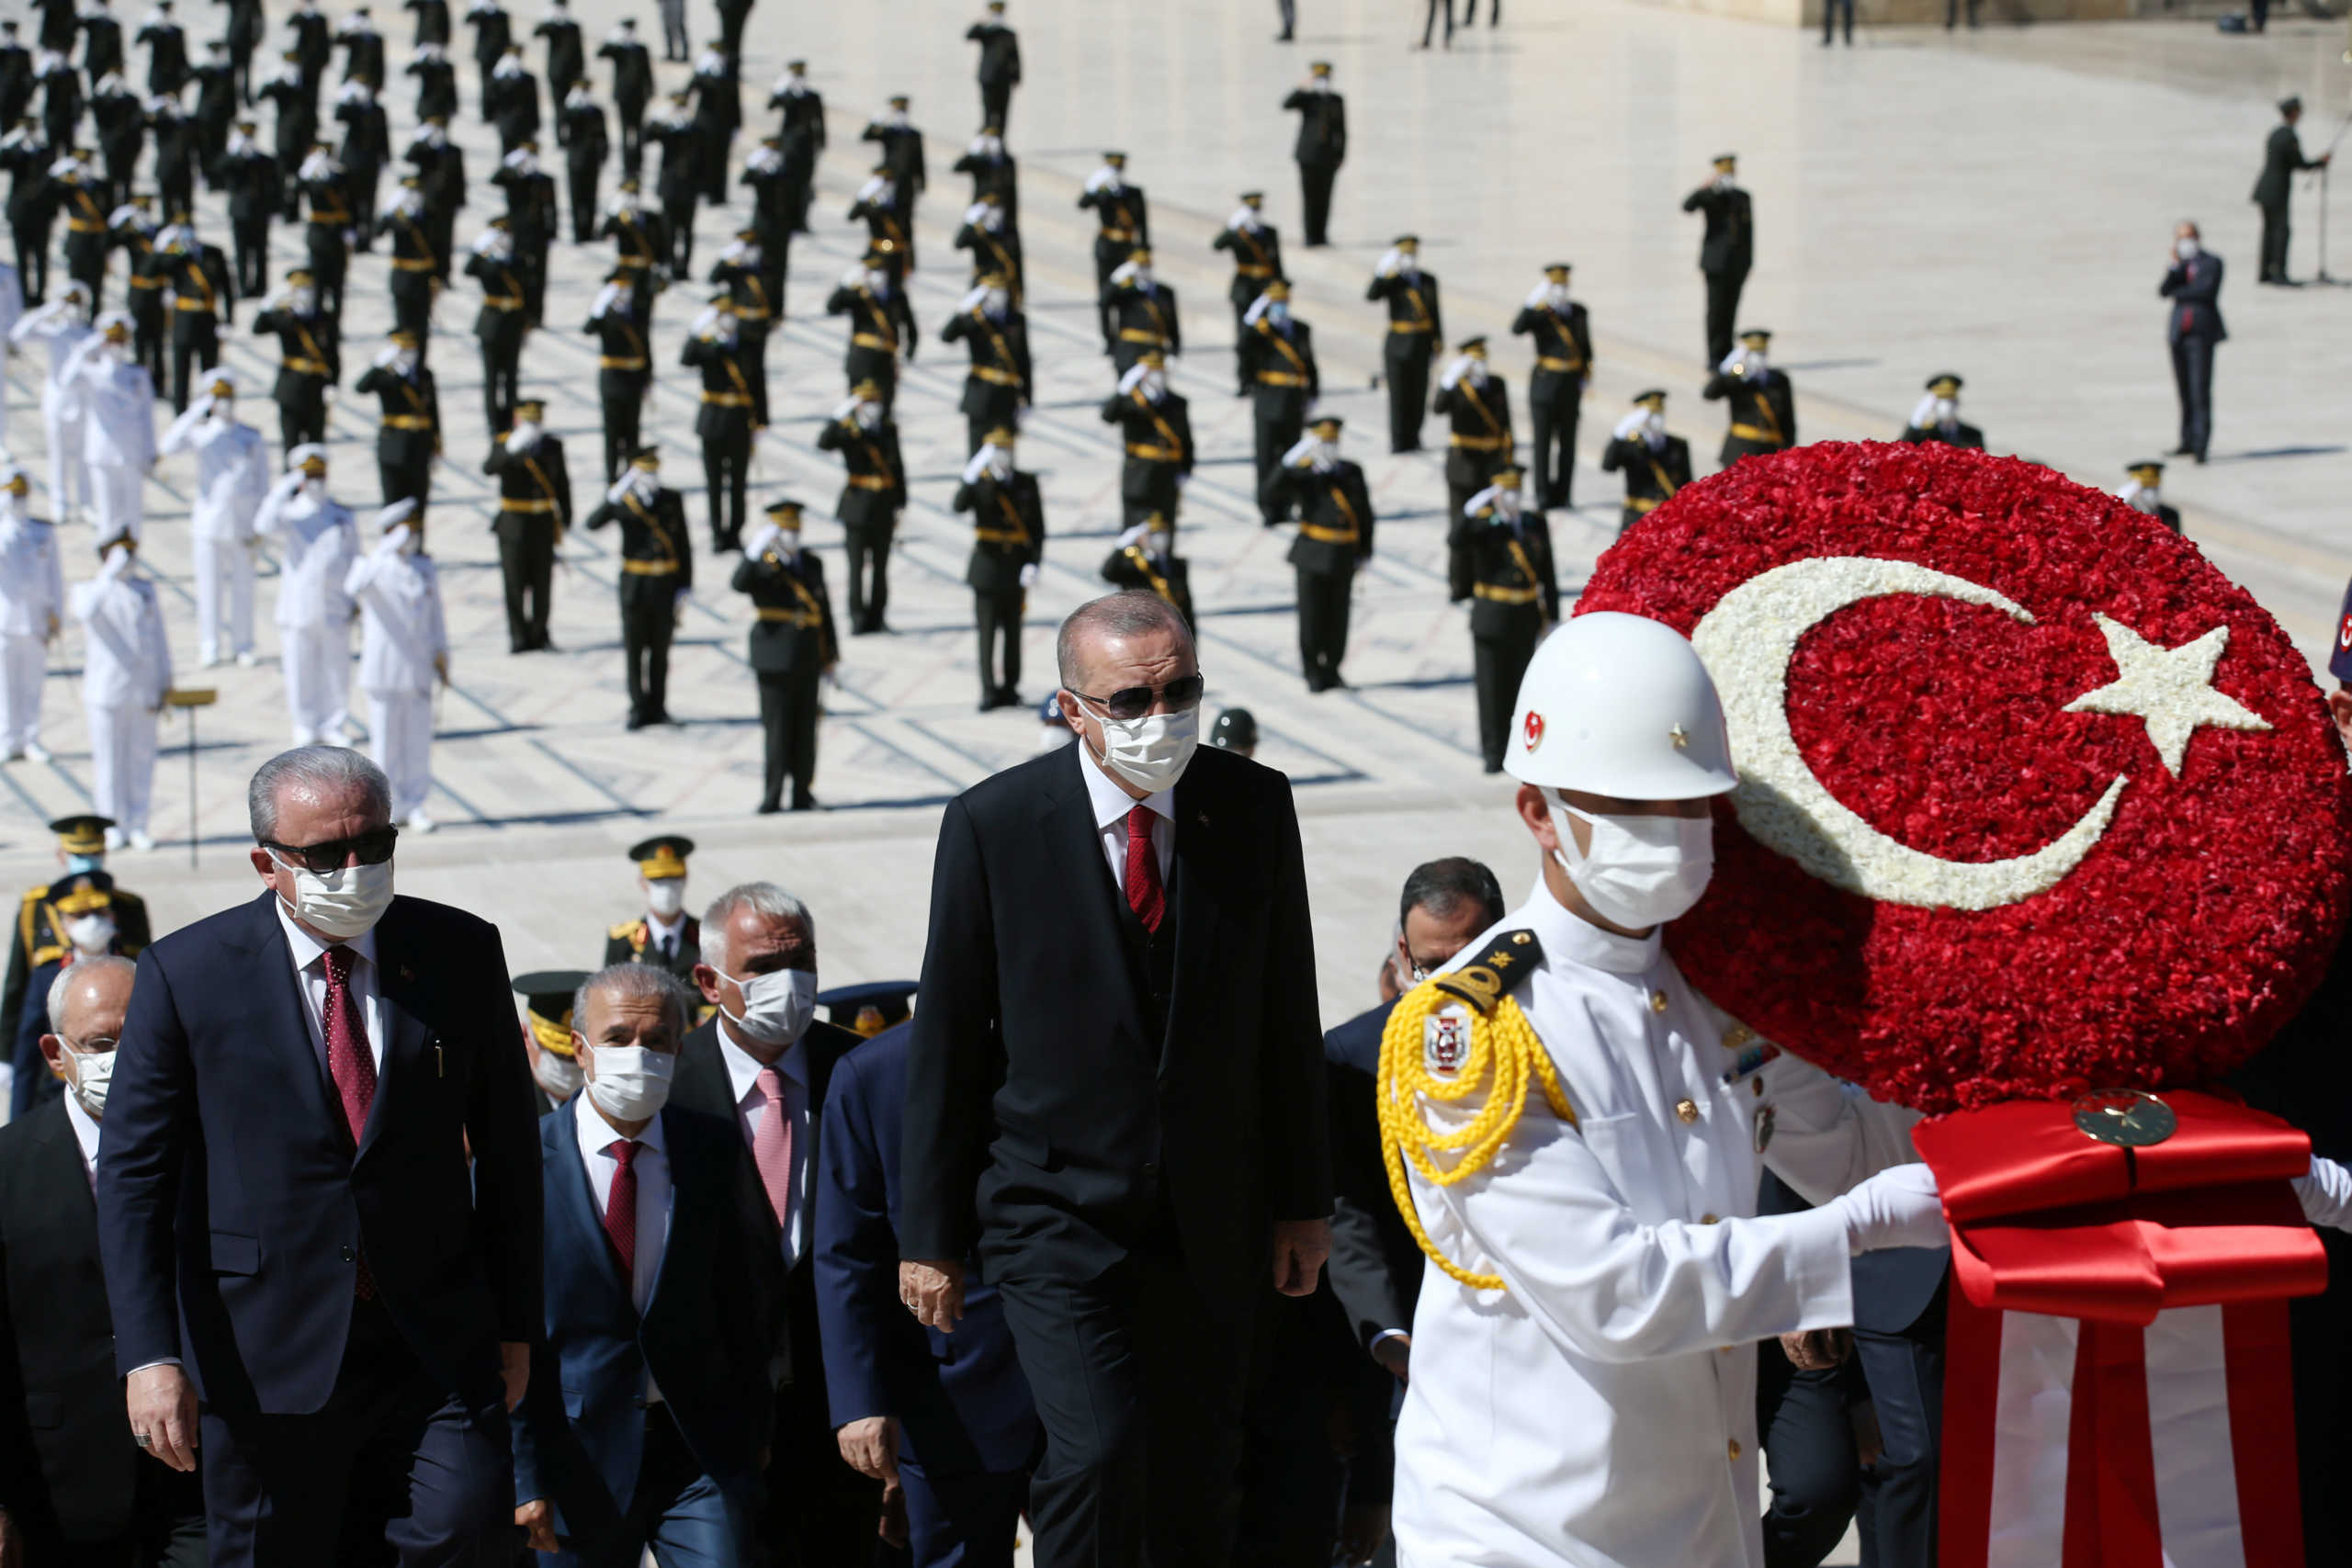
553 1035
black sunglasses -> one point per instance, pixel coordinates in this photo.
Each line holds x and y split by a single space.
373 847
1132 701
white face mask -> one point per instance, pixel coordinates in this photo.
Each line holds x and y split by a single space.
409 543
1154 385
1142 277
93 1070
995 301
1640 870
869 416
632 1083
522 436
223 411
778 1006
90 934
1150 752
2147 498
1755 362
787 542
1654 428
316 489
559 1076
1159 542
1278 314
2186 249
1947 411
877 282
666 897
346 903
1000 464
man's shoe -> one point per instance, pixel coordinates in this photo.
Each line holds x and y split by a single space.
36 752
769 808
804 802
637 721
245 659
418 822
141 841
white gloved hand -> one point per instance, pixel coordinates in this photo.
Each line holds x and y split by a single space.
2326 1194
1898 1207
1029 575
763 541
1631 425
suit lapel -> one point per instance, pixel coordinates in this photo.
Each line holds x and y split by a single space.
681 1237
1066 817
404 1031
1191 903
287 1016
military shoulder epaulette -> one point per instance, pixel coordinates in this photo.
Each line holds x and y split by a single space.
47 956
624 931
1486 980
35 895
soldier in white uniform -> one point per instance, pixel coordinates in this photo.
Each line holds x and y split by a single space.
118 425
126 670
64 324
232 481
32 598
403 649
1588 1399
317 542
12 310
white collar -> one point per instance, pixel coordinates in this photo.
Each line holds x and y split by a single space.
743 1069
308 948
1570 937
596 1134
1111 803
85 1131
660 927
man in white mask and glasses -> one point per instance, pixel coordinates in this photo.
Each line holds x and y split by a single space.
323 1088
1601 1243
762 1062
1114 1089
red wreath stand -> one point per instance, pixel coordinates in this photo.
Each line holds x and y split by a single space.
2046 1220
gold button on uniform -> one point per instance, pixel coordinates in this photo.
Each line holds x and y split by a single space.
1757 1085
1737 1035
1734 1451
1658 1001
1686 1111
1708 1220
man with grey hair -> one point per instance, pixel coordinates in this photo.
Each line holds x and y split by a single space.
74 1488
762 1061
301 1082
1114 1089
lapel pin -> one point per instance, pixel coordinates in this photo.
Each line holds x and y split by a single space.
437 1063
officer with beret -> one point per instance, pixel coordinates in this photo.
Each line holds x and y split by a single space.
82 844
1500 558
547 1034
664 934
2144 492
1236 729
793 644
1008 543
1656 465
1763 404
1936 417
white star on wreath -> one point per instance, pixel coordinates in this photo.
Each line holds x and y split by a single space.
2170 688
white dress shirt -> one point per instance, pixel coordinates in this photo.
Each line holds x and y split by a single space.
86 1133
1112 805
311 974
598 1140
664 939
751 1107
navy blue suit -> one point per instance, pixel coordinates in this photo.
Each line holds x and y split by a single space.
617 1473
234 1212
968 1430
2193 327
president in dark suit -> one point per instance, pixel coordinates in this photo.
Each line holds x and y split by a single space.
649 1405
2274 188
292 1229
2193 326
1114 1089
947 1416
74 1490
764 1062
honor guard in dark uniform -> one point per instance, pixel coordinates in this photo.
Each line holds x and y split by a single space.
534 510
310 359
880 323
624 365
656 572
61 102
1000 68
1236 729
72 898
199 297
1156 428
641 246
1334 538
1278 370
441 182
547 1035
531 217
133 233
773 216
632 90
119 118
718 114
327 191
179 152
801 134
83 199
313 45
1726 251
16 73
663 935
295 126
432 21
493 34
513 104
902 159
730 417
1144 311
989 234
32 206
742 270
367 148
1126 223
877 206
362 45
1008 543
1498 557
1145 559
1477 402
580 131
408 436
992 170
502 321
2282 160
1415 329
1322 146
678 186
2144 492
101 41
166 43
792 645
998 385
1763 404
81 845
1656 465
863 433
567 55
1556 388
1936 416
414 279
436 83
1257 252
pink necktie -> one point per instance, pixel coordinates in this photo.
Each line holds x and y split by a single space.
352 1066
772 1145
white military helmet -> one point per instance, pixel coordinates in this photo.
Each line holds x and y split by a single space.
1620 705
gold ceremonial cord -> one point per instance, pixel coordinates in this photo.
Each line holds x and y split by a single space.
1504 1049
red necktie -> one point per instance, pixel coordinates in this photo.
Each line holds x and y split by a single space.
1146 896
350 1064
620 1210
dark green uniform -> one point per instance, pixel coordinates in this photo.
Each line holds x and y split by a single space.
409 437
792 643
868 510
1146 320
633 941
534 509
730 416
1556 395
1160 449
1481 439
1763 418
1256 260
1169 576
1126 223
624 371
1505 570
878 326
1277 366
309 362
1415 329
1334 538
200 300
500 325
998 382
657 560
1008 534
1652 474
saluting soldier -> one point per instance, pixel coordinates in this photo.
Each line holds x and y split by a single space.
1415 329
531 217
437 82
863 433
82 197
718 114
1499 556
792 645
624 365
1334 538
166 43
362 45
678 186
179 151
876 205
502 323
120 117
1126 223
993 169
1322 146
1000 384
990 234
132 231
310 359
197 289
664 934
579 129
880 322
1145 557
1008 543
216 101
1478 404
567 56
999 67
1157 426
773 215
801 133
641 246
512 101
295 126
414 262
730 417
632 90
1278 370
534 510
1555 390
367 148
1256 251
82 844
1656 465
1726 251
742 270
2144 492
33 205
902 159
326 190
1936 416
441 177
409 437
1763 404
1144 310
494 31
657 576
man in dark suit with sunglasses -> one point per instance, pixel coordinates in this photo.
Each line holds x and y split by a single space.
1114 1089
319 1200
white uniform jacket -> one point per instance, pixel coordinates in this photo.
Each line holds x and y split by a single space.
119 403
317 543
128 663
401 631
232 473
32 582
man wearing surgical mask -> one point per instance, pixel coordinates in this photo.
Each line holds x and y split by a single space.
84 906
762 1061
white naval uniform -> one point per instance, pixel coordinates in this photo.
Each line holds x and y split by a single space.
317 544
32 600
60 400
402 633
126 670
232 481
117 436
1601 1411
12 309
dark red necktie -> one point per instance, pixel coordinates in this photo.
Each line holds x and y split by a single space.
1145 896
350 1064
620 1210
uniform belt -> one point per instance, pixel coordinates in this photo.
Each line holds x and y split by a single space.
1322 535
1479 443
804 619
507 503
336 223
1138 334
307 366
1122 235
1642 503
1543 362
867 340
203 305
1280 378
1756 433
635 264
744 317
503 301
612 362
1505 595
999 377
1153 454
728 400
869 482
146 283
411 264
83 226
999 537
649 567
407 422
1241 271
1422 327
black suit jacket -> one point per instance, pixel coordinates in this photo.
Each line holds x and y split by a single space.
2194 286
1043 1118
1376 1262
231 1206
1729 244
2282 159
